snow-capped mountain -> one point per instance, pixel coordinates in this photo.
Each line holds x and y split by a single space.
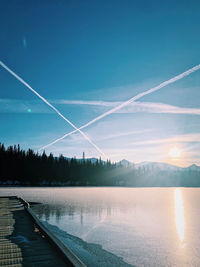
193 167
148 165
125 163
157 166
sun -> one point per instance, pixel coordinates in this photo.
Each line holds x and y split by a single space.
174 152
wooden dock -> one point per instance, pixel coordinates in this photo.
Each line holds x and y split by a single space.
25 241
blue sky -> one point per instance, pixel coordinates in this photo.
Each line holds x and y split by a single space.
86 57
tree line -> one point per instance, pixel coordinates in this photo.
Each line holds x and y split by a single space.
20 167
28 168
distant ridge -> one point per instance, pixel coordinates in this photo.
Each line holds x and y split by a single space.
193 167
125 163
150 165
162 166
93 160
157 165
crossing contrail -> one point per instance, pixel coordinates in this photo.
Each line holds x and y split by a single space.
51 106
154 89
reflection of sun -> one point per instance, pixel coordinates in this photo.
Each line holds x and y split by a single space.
179 213
174 152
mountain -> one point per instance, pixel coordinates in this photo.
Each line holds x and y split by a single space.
157 166
125 163
165 166
193 167
147 165
93 160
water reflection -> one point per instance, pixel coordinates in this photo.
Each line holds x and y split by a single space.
144 226
179 214
47 211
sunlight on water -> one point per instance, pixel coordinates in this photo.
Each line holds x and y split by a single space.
119 226
179 214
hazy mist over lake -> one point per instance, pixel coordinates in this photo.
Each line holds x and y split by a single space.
144 226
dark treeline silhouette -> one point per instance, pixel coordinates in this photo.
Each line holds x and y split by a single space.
29 168
19 167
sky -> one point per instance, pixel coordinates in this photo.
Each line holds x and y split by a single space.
87 57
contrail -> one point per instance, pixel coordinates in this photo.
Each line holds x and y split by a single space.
154 89
51 106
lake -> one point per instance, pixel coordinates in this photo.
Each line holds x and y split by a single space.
122 226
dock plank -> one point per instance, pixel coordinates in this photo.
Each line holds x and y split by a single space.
21 243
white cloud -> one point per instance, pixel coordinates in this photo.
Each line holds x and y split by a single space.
85 102
105 135
150 107
184 138
21 106
153 107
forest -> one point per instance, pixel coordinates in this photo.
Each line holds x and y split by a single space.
28 168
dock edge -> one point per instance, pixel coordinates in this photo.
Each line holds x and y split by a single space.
67 254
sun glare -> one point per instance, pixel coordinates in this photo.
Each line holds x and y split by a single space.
174 152
179 213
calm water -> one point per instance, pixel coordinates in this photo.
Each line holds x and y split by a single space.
137 226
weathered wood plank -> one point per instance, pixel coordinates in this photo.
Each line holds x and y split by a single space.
21 243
